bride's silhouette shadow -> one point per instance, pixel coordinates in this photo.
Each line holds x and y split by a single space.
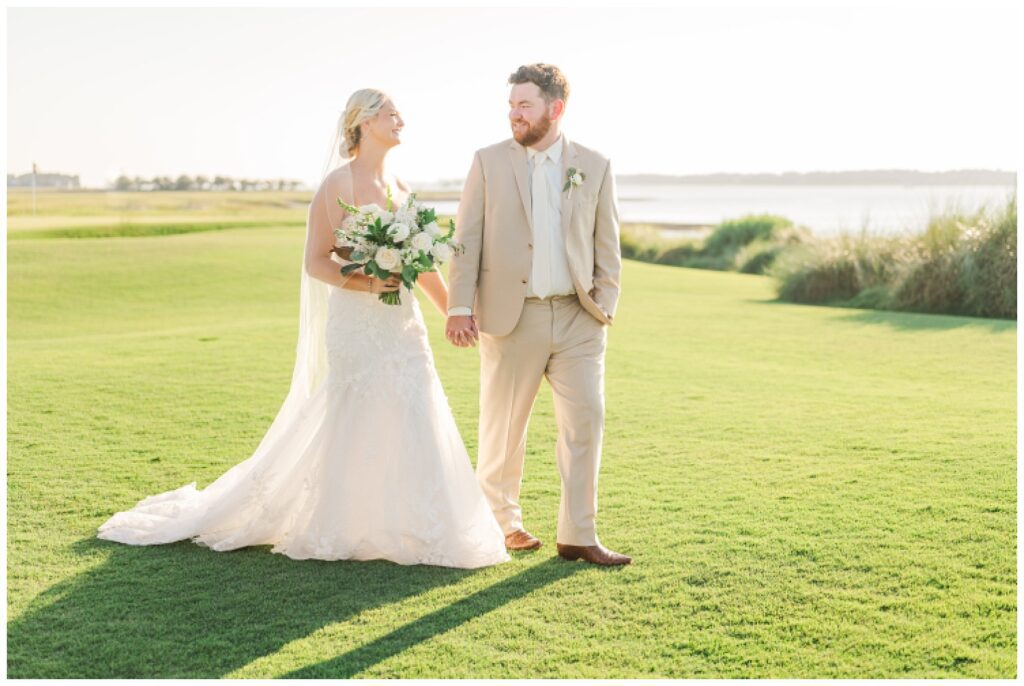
182 610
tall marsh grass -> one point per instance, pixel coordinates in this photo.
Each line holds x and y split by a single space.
746 244
964 263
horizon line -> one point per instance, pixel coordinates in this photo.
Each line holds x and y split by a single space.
621 175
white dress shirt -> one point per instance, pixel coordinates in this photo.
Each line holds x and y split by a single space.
549 275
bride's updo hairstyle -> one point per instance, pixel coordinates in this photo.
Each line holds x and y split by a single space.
362 106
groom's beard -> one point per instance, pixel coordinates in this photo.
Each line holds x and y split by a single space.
533 132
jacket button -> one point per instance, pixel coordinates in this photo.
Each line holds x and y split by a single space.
530 246
524 280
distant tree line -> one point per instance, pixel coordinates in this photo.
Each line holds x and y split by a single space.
203 183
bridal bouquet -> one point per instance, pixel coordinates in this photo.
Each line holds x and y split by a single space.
405 242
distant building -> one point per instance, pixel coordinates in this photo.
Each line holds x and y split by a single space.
43 181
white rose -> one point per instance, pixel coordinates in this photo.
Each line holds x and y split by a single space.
387 259
373 208
441 252
432 229
422 241
398 232
406 215
577 178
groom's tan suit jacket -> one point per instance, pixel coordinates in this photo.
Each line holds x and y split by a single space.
494 226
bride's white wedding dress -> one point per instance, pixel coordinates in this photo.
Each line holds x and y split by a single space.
370 465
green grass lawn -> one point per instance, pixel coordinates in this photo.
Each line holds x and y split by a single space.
805 491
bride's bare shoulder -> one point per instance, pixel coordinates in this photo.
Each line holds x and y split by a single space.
338 174
338 182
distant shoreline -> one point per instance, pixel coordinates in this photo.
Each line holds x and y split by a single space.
448 189
882 177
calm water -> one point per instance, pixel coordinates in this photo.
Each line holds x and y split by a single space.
823 209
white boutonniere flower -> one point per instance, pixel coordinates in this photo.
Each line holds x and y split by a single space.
573 179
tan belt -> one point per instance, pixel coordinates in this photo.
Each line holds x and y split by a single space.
550 298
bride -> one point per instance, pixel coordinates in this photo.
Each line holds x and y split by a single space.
364 460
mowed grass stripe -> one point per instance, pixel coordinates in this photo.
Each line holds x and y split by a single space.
135 230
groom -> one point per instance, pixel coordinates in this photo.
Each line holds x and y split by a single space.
537 285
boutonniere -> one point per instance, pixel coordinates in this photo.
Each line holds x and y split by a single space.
573 179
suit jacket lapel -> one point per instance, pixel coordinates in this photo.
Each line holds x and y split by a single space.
517 154
570 158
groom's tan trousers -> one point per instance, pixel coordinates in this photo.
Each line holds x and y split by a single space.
558 339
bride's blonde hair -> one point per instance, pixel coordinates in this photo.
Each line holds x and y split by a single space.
362 106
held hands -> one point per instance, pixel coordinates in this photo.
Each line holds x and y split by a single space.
461 330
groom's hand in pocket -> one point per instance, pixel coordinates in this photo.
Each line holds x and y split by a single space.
461 330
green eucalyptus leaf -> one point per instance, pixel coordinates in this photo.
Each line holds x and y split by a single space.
349 268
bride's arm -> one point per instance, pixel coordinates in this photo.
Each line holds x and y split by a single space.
320 242
434 286
324 215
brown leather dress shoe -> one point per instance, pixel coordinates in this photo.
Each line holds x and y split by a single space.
597 554
520 540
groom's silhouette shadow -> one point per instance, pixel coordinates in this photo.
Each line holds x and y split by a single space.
182 610
351 663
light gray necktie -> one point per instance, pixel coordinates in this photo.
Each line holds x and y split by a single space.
540 191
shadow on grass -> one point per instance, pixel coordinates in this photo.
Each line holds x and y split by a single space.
904 321
182 610
438 622
915 321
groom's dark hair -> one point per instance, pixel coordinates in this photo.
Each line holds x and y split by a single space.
549 78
